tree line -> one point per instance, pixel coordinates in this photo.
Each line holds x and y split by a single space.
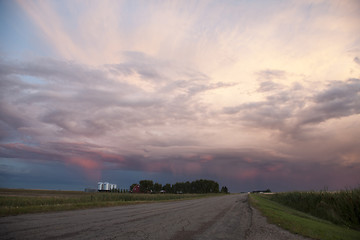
197 186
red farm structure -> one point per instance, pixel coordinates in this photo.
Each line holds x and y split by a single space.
136 189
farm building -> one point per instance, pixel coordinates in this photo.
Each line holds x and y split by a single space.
105 186
136 189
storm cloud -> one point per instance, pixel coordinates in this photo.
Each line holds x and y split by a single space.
124 92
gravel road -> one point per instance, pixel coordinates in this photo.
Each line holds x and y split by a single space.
223 217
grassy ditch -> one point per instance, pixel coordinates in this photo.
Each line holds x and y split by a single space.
299 222
13 202
341 208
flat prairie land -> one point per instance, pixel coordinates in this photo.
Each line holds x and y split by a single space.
39 193
20 201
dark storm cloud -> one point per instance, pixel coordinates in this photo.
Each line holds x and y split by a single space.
249 169
244 169
268 86
66 152
96 120
168 90
77 99
291 109
70 122
44 100
22 151
271 113
264 169
340 99
339 91
357 60
10 117
267 78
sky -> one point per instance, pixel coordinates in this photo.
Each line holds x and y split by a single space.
251 94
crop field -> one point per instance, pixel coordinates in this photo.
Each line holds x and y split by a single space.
19 201
341 208
319 215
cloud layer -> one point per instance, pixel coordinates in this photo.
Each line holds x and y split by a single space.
253 100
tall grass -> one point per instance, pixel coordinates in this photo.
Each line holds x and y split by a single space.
342 208
299 222
57 200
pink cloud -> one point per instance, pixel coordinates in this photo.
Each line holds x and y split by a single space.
156 166
248 160
85 163
192 167
248 174
206 158
275 167
91 168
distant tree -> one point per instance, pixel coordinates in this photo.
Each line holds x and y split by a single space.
178 187
167 188
146 186
198 186
204 186
187 187
157 187
224 189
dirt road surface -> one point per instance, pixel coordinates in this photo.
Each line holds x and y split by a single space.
223 217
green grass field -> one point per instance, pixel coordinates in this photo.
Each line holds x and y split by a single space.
299 222
19 201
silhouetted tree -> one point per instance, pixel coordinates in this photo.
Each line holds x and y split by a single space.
224 189
146 186
157 187
198 186
204 186
167 188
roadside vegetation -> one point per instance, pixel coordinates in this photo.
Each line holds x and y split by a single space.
341 208
19 201
318 215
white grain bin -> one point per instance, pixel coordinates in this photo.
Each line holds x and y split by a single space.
115 186
106 186
100 186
